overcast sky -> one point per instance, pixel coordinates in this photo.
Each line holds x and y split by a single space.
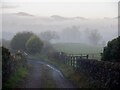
67 8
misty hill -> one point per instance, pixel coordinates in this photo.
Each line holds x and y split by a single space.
17 22
57 17
23 14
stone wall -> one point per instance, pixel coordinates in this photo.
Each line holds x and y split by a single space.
107 73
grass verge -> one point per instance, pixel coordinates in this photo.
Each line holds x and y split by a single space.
16 77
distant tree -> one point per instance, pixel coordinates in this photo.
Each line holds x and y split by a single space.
71 33
48 35
19 40
47 48
94 37
34 44
112 51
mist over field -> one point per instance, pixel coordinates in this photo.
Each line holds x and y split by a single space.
59 44
69 29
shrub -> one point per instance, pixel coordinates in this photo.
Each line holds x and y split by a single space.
112 51
34 45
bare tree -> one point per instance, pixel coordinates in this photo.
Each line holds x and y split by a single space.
71 33
49 35
94 37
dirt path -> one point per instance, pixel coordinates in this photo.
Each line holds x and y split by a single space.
43 75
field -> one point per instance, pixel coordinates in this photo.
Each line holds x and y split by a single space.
78 48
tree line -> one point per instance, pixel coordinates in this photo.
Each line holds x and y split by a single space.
31 43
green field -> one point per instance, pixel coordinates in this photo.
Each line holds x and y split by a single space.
78 48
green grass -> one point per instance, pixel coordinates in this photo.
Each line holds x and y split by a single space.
78 48
16 77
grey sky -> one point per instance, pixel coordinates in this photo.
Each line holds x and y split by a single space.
72 8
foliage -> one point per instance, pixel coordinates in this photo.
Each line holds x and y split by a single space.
47 48
11 63
19 40
34 44
112 51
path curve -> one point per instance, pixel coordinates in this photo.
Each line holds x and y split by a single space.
35 78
